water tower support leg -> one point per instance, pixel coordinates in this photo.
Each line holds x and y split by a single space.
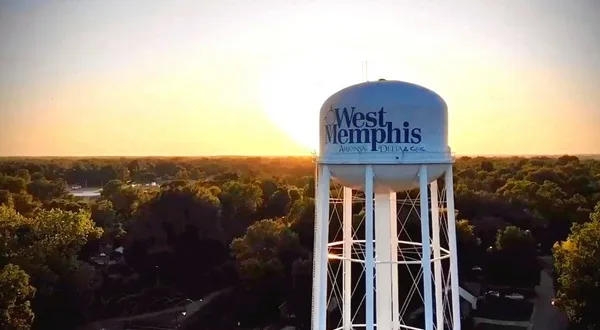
437 264
394 250
383 267
369 256
426 248
319 315
347 265
449 183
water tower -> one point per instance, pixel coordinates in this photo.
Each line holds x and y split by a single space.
384 144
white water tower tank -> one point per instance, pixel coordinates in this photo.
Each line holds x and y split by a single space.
383 138
384 124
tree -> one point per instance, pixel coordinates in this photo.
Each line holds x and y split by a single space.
176 235
182 175
258 252
23 173
269 187
25 204
577 261
46 247
465 232
45 190
13 184
103 214
520 192
66 204
15 296
467 244
265 255
51 237
279 203
302 220
169 214
125 199
6 198
309 189
516 240
111 189
515 249
240 201
295 194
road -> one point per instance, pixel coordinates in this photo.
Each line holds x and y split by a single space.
547 317
168 314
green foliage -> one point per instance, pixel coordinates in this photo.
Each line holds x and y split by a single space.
269 186
6 198
45 190
279 203
515 249
513 238
46 246
23 173
13 184
295 194
25 204
176 208
465 232
577 264
15 299
258 252
301 219
180 233
240 199
111 189
103 214
126 199
54 231
595 216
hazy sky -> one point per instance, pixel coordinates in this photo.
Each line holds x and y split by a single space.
165 77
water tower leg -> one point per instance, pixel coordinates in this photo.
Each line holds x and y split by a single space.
449 183
437 263
319 310
369 256
347 263
383 268
426 248
394 250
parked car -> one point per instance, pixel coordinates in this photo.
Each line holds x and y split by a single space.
493 293
515 296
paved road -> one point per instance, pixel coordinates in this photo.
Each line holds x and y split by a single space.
195 307
168 314
547 317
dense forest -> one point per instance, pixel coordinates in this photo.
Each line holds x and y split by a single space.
246 225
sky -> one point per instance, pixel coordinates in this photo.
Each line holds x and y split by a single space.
191 78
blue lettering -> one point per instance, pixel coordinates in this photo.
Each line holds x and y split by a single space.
331 133
344 117
371 119
358 120
352 127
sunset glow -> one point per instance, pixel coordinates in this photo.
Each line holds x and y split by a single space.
230 78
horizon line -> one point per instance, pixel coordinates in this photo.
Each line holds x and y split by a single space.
279 156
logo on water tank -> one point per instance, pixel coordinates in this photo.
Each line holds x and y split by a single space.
356 131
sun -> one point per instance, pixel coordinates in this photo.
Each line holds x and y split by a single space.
292 96
292 103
